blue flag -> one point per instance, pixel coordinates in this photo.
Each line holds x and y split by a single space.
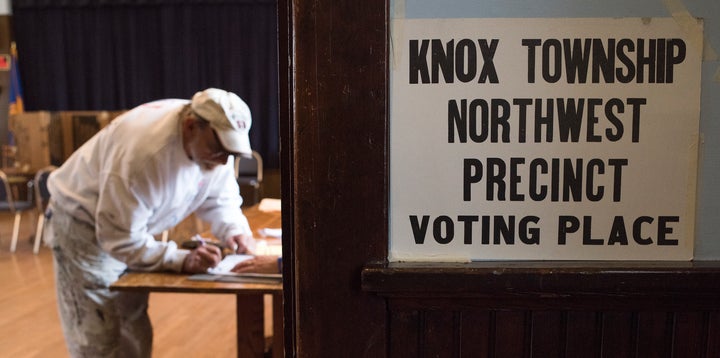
15 106
16 100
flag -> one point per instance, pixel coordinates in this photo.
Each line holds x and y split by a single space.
16 101
15 106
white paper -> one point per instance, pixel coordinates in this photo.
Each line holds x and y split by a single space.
224 267
268 205
270 232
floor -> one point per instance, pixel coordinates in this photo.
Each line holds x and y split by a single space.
185 325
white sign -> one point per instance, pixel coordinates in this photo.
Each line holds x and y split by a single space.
543 139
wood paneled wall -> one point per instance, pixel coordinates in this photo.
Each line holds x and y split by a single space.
550 309
428 332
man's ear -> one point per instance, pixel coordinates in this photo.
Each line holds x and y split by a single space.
188 128
189 124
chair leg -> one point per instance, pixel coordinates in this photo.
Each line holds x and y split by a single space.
16 232
38 233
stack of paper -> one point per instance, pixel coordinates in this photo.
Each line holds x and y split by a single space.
269 205
222 272
227 263
270 232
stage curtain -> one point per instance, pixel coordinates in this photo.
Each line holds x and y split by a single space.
116 54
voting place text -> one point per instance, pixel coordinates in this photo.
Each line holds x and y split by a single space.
543 139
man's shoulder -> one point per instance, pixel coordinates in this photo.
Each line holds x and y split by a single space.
162 104
147 111
148 140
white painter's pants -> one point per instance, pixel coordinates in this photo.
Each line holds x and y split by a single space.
96 322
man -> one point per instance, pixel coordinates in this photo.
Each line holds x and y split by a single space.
142 174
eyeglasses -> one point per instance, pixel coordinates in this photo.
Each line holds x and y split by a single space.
217 150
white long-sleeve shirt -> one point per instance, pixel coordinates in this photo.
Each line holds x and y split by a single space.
133 180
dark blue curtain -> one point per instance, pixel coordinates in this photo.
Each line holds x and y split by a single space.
116 54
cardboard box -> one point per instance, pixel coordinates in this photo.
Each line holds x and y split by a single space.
31 131
43 138
78 127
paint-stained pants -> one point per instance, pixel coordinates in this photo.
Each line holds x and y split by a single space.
96 322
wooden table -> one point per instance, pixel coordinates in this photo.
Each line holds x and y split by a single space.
249 296
249 305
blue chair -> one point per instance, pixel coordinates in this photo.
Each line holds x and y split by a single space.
8 202
42 198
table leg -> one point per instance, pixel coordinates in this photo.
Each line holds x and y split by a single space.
278 329
250 325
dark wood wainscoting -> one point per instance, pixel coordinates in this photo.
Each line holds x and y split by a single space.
550 309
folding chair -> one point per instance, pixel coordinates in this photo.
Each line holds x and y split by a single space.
9 203
249 172
42 197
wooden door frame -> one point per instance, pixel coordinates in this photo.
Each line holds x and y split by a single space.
334 169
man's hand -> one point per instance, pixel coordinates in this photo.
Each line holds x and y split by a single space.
258 264
201 259
241 244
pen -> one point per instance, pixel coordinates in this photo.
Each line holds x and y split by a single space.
197 241
198 238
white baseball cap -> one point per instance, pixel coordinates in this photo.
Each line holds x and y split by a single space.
228 115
